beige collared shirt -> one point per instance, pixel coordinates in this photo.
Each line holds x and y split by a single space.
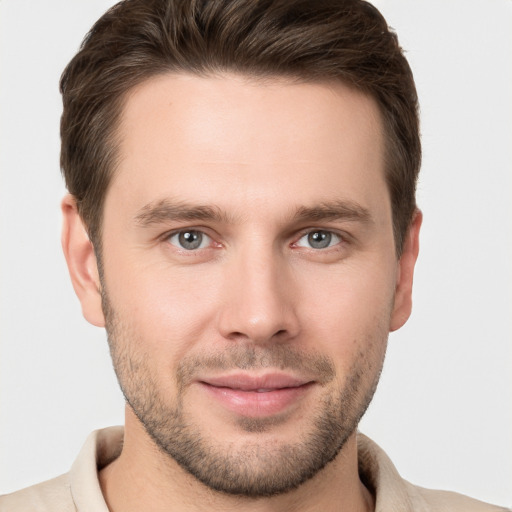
79 490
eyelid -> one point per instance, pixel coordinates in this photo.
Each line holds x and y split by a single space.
165 237
204 241
343 237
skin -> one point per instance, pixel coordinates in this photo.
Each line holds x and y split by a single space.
266 157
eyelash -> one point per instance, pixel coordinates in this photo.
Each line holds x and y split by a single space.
330 234
167 237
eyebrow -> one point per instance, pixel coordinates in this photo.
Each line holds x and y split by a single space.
334 210
167 210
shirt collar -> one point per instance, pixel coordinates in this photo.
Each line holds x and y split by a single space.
376 471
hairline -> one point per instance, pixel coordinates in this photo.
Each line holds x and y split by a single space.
118 106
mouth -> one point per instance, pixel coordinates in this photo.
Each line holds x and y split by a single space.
256 396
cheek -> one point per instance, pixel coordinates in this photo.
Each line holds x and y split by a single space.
348 313
168 311
342 310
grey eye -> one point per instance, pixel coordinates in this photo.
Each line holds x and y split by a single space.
319 239
189 239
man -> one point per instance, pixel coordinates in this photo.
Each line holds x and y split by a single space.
242 220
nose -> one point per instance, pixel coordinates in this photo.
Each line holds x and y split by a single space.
260 297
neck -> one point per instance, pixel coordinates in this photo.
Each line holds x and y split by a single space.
144 478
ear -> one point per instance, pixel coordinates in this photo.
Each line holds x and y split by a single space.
403 293
82 264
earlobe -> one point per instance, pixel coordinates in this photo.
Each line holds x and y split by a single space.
81 261
403 293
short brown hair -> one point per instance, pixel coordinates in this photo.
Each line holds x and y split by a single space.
313 40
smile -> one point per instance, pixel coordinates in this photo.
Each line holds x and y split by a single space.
256 396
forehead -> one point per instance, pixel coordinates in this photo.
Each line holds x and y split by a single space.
234 142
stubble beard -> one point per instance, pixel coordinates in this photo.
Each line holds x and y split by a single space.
258 468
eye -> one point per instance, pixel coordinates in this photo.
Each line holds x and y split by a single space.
319 239
190 239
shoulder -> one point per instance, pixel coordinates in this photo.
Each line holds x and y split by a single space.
426 500
47 496
79 489
393 493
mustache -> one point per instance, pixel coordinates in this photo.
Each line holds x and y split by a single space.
318 367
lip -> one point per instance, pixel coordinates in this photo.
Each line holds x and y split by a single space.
256 395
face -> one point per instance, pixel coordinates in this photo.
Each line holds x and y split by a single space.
249 273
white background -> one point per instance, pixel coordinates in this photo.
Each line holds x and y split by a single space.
443 410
